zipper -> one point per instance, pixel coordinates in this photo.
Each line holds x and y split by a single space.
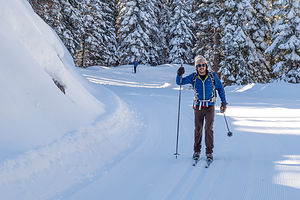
203 81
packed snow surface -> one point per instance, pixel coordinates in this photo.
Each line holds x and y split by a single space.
112 135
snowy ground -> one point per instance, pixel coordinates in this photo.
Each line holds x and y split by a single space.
261 160
127 153
113 134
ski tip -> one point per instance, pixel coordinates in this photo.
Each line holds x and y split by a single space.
208 164
195 162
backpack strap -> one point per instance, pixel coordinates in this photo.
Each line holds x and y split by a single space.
213 81
194 80
213 98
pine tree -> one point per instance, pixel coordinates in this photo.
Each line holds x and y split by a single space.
91 40
110 38
230 66
164 30
208 30
153 10
72 25
49 11
98 41
240 55
258 30
137 29
181 32
286 40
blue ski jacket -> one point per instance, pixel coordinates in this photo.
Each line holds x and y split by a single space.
204 88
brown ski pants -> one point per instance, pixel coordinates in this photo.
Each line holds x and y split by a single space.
207 114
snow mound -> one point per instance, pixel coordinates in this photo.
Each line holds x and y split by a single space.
34 111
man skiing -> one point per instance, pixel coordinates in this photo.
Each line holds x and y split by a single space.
205 84
135 64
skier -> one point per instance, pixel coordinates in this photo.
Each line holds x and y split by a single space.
205 84
135 64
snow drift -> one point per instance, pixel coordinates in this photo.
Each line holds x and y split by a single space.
31 57
51 141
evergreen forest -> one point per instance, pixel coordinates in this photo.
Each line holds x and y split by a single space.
245 41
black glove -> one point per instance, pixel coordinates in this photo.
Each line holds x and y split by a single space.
180 71
223 107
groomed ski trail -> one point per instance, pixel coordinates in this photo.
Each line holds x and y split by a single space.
244 165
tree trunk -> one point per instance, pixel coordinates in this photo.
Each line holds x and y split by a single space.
217 55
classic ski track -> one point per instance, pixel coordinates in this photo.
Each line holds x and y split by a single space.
251 173
196 182
279 194
190 176
280 144
213 173
192 181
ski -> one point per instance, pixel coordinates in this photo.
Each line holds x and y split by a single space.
208 162
195 162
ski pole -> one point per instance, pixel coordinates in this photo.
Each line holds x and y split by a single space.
229 134
176 154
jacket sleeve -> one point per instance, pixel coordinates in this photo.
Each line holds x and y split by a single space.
220 88
185 80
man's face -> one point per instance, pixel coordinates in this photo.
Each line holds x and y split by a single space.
201 68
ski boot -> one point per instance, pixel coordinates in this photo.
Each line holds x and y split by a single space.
209 157
196 155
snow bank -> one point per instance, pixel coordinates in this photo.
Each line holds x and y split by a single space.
69 161
33 110
51 141
278 90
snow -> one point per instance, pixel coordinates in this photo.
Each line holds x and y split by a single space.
31 56
112 135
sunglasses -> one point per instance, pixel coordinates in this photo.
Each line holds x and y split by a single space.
201 65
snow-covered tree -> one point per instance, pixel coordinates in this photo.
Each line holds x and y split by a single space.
286 40
98 41
137 31
241 62
234 35
208 30
258 30
259 27
233 65
110 38
164 30
87 28
181 34
155 7
64 18
71 19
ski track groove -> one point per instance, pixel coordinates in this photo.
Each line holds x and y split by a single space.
280 193
213 173
197 180
251 174
186 179
192 183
